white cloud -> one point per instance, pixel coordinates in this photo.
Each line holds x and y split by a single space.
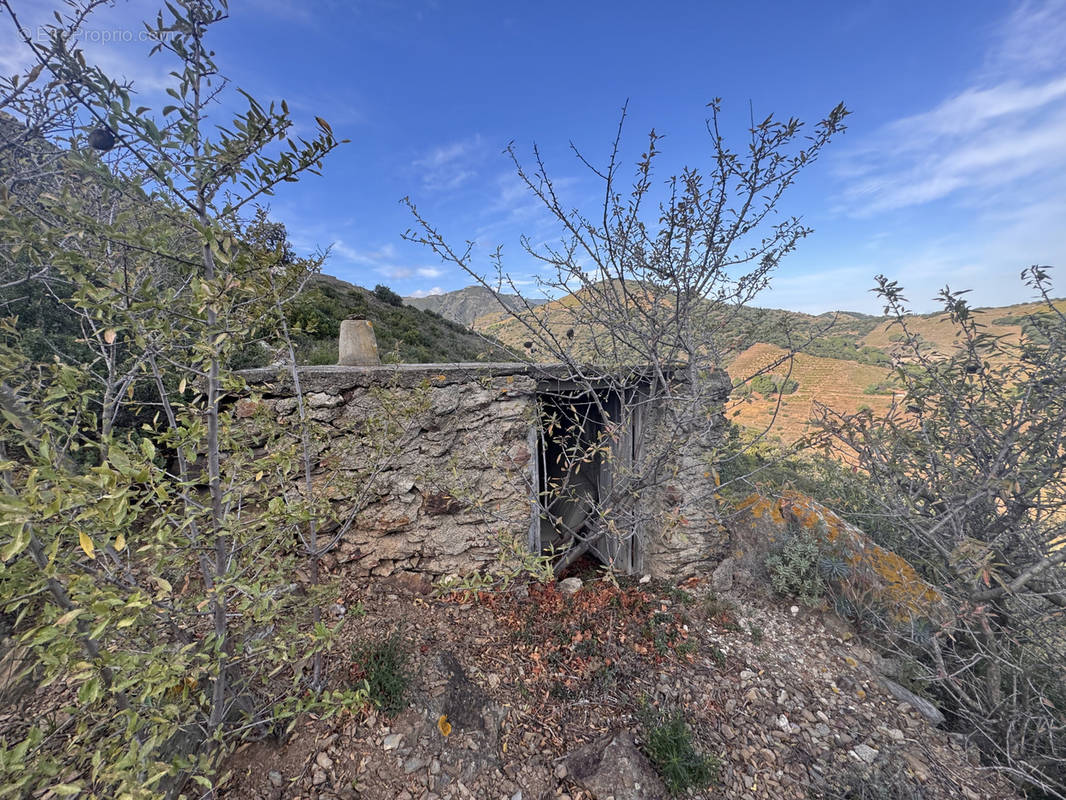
114 38
427 292
382 260
1003 131
449 166
1031 38
378 258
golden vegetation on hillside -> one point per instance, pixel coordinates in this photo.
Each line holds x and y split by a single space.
841 385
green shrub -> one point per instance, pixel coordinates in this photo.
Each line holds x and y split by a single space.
763 384
881 387
382 663
668 745
768 385
794 568
387 295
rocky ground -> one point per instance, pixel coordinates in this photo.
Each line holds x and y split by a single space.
534 692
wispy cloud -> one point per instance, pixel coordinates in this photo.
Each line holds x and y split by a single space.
1007 127
1031 39
383 260
363 257
112 38
447 167
427 292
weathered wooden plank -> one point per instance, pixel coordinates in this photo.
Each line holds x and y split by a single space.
533 443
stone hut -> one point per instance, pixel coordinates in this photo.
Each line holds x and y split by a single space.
444 469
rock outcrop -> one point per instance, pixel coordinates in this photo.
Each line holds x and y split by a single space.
872 575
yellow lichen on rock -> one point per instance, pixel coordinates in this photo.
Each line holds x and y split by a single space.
875 576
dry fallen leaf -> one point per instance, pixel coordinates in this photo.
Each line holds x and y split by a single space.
443 725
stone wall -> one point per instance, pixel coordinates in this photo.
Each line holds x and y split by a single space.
691 539
435 463
434 460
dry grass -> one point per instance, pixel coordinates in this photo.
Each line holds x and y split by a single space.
838 384
939 331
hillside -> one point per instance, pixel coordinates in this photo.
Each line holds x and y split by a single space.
845 363
463 306
844 386
404 334
47 323
832 335
937 330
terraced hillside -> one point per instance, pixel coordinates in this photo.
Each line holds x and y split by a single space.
846 365
832 335
841 385
937 330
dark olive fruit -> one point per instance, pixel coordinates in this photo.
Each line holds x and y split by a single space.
102 139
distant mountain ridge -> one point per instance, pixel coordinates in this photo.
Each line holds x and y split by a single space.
463 306
846 367
853 336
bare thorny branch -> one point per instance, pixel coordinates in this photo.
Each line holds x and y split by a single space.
651 289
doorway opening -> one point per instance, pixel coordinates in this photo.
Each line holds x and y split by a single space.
584 444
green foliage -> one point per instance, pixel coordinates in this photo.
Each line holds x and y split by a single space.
667 742
794 567
383 664
881 387
147 538
768 385
1034 326
387 295
404 334
827 335
846 348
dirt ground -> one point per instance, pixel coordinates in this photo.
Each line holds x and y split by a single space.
505 685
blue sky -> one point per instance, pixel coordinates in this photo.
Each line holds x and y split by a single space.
953 169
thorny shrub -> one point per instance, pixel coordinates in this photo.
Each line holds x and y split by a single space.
970 466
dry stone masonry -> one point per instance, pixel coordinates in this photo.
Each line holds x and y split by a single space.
437 463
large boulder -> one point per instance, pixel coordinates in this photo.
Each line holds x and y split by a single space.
873 576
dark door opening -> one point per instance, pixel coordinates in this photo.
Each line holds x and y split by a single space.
581 443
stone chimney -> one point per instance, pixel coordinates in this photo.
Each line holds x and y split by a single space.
358 345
